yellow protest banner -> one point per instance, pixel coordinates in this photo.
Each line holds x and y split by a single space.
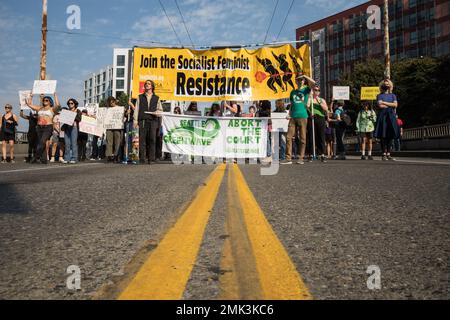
369 93
220 74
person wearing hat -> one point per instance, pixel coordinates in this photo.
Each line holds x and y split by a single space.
46 111
298 117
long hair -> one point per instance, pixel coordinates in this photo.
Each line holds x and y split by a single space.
49 99
153 86
109 101
75 102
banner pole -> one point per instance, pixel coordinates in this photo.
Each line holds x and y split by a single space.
312 106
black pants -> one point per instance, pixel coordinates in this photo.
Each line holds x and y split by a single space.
340 131
386 145
82 149
148 129
43 134
32 143
319 135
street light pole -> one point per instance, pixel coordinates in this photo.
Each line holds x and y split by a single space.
387 53
43 74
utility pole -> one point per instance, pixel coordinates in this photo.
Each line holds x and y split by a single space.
387 53
43 74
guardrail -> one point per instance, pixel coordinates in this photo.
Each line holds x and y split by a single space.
422 133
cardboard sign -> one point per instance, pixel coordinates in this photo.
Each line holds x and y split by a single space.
44 87
279 121
341 93
23 96
114 118
369 93
67 117
92 109
88 125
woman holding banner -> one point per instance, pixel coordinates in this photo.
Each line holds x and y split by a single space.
8 132
71 134
319 113
113 137
44 128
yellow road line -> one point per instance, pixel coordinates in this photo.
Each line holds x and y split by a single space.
165 273
278 276
241 281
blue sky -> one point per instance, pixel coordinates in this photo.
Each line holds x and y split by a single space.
72 57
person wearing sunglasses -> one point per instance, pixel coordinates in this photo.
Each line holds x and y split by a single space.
8 132
44 129
71 134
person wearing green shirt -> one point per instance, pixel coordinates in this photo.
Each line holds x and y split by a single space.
319 111
298 117
365 125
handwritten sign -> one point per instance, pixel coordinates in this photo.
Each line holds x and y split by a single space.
23 96
369 93
114 118
92 109
67 117
88 125
44 87
279 121
341 93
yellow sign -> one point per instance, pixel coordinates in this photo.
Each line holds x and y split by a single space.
225 74
369 93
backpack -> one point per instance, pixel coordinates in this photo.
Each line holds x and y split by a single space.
346 118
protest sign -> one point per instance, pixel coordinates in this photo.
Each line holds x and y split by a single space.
279 121
44 87
88 125
341 93
23 95
369 93
220 74
92 109
101 114
114 118
67 117
215 137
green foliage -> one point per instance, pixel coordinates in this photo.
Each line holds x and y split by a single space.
421 85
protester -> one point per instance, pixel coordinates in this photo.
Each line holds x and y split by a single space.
329 139
265 108
8 132
298 117
146 119
280 108
57 140
44 128
340 126
31 135
113 137
318 114
398 141
128 138
177 110
365 125
192 107
215 110
82 141
229 108
252 111
386 127
71 134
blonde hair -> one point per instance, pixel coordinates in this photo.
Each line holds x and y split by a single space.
391 85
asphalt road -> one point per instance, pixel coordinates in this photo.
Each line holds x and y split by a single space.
334 220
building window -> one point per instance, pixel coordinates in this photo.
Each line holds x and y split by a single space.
90 83
90 93
120 84
121 61
86 84
98 79
120 72
412 3
413 37
103 87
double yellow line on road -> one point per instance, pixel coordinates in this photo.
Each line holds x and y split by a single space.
260 266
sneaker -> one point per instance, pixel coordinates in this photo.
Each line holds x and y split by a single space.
3 161
369 158
64 161
13 161
363 157
61 160
286 162
384 158
52 160
73 162
92 159
323 159
300 162
391 158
